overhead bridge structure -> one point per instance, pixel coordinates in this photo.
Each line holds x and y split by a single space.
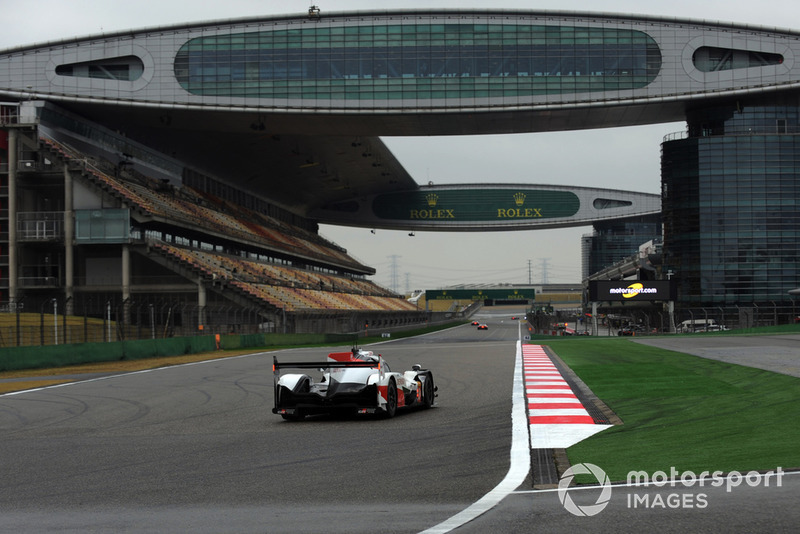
285 114
291 107
482 207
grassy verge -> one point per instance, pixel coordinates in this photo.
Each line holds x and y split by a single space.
683 411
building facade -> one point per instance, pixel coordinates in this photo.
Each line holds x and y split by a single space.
731 204
612 241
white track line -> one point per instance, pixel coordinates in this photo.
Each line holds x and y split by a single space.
518 469
77 381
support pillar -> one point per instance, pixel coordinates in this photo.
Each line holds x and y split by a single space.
201 305
13 162
126 272
671 314
126 285
69 243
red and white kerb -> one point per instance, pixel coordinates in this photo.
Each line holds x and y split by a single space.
557 417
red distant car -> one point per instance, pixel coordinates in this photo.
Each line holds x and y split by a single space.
475 323
483 327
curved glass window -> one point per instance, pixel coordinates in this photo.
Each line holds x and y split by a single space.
607 203
418 61
711 59
126 68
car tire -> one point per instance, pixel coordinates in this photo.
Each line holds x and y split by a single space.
429 392
391 400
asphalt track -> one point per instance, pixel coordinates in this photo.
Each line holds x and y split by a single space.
196 448
776 353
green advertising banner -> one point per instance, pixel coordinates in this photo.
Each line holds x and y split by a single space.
476 204
481 294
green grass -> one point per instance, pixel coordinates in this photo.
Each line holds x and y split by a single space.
683 411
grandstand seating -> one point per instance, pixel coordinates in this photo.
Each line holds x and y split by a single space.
186 205
285 287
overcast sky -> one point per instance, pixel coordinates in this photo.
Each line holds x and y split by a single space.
622 158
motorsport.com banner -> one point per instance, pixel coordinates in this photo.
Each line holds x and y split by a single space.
631 290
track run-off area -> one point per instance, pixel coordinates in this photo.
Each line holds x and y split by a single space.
195 448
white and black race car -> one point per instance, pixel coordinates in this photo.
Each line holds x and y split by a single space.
358 382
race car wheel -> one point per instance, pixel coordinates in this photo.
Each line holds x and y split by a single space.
391 399
429 392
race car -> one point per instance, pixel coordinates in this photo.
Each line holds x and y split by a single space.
357 382
483 326
475 323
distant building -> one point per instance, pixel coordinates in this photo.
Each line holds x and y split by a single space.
614 240
731 204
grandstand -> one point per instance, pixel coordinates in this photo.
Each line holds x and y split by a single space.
110 228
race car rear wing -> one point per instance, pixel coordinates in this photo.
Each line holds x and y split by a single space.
276 366
322 365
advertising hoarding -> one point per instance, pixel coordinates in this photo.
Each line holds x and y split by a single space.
631 290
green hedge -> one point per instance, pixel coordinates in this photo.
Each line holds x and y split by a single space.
37 357
16 358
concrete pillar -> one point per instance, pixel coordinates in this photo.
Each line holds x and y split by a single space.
13 162
126 285
201 305
126 272
671 313
69 243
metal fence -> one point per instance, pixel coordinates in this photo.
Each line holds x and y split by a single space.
95 319
684 320
50 324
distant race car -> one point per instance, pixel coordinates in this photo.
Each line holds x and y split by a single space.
358 381
483 327
630 330
475 323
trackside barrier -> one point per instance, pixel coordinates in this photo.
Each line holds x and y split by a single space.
16 358
556 332
38 357
780 329
243 341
